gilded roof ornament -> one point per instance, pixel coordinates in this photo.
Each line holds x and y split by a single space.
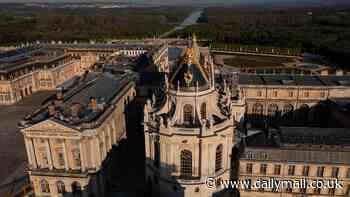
188 77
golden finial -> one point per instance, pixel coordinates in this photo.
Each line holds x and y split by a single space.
188 76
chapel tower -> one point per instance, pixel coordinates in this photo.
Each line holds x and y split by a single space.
189 133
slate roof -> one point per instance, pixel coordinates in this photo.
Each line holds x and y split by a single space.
151 78
103 87
17 52
25 57
174 53
197 75
313 135
300 144
303 156
296 80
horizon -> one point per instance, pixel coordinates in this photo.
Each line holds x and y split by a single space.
193 2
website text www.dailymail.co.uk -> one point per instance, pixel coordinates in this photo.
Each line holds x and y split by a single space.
274 184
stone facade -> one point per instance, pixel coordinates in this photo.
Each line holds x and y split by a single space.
51 65
287 98
67 158
18 84
190 125
43 69
188 137
342 176
296 154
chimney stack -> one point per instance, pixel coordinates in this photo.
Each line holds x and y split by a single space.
59 95
75 110
93 104
51 109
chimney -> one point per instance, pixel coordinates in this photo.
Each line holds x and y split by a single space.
75 110
59 95
51 109
93 104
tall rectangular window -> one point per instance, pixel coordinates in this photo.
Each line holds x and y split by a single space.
263 168
320 171
331 191
259 93
274 93
291 170
348 173
277 170
335 172
306 170
249 168
60 158
76 157
291 94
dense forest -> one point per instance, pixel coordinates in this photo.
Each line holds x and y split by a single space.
20 23
324 31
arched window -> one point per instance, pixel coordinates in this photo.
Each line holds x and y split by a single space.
186 164
218 158
258 109
45 187
287 108
204 111
272 110
303 113
76 189
288 112
61 189
188 114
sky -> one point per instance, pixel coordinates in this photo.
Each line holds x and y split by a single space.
201 2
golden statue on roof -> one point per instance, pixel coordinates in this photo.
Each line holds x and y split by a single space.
191 55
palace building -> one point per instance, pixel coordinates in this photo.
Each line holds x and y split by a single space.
198 121
287 97
33 69
68 141
46 66
295 154
189 133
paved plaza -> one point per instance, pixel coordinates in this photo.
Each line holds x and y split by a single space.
12 151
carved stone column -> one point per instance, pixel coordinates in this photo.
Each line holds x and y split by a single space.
48 153
82 156
30 152
65 156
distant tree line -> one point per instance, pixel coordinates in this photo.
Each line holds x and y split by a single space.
324 31
20 24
